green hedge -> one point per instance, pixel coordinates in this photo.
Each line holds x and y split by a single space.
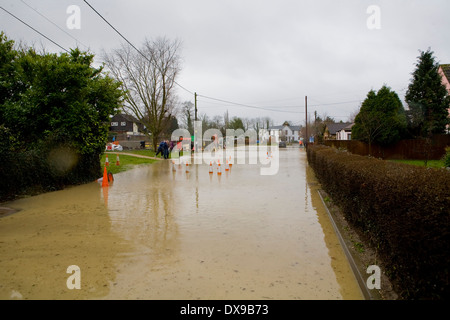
402 210
44 166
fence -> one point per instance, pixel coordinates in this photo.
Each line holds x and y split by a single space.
417 149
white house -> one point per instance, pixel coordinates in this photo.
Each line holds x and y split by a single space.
286 132
345 133
338 131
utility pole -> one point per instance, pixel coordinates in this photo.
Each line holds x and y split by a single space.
195 126
195 96
306 120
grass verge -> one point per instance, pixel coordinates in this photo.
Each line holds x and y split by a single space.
125 162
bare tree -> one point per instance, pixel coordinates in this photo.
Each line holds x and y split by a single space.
353 114
226 119
148 78
370 127
187 116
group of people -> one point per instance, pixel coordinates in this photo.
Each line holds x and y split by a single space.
165 147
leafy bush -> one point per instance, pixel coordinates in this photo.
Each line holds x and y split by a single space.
54 115
402 210
447 157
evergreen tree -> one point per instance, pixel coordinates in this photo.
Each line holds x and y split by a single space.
236 123
381 118
428 100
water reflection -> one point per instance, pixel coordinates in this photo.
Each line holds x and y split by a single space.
157 233
232 236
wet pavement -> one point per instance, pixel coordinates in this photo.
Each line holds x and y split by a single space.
156 233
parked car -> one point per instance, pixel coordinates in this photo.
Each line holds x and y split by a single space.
113 147
282 144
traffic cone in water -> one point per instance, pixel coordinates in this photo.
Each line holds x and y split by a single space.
227 166
106 161
229 163
219 169
187 166
117 160
105 178
211 171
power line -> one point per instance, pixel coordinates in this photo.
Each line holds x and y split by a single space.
206 97
34 29
123 37
53 23
248 106
335 103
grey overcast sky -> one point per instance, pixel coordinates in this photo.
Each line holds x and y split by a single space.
261 53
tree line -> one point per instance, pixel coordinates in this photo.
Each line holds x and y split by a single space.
383 120
186 116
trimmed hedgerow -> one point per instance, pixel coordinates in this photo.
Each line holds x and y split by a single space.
402 210
31 171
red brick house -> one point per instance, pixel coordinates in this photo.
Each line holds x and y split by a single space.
444 71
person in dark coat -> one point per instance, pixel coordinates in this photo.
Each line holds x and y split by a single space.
166 150
160 148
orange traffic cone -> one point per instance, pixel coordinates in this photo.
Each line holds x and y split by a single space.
105 178
187 166
211 171
106 161
230 164
227 166
117 160
219 169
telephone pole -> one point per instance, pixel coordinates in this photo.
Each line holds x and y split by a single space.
195 125
195 99
306 120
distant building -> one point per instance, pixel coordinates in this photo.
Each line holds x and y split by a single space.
338 131
286 132
345 133
444 71
124 123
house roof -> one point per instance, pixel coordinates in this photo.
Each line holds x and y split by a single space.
127 117
349 127
293 128
333 128
446 69
276 127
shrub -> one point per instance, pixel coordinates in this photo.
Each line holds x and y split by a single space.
447 157
401 210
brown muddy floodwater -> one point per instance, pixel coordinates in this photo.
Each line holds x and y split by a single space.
160 234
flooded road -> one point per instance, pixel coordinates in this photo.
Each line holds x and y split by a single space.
163 234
